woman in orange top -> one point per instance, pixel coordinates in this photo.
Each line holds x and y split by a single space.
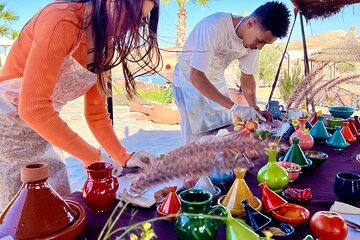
64 52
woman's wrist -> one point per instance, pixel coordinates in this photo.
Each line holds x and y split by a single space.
129 155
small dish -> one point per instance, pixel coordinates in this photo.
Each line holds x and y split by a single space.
292 214
286 230
316 157
297 196
291 168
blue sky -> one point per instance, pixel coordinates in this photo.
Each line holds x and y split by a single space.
25 9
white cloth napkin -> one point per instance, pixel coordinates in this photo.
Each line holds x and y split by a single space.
350 213
345 208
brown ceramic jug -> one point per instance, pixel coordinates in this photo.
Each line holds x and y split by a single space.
38 212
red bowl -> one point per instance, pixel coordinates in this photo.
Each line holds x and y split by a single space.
283 214
294 173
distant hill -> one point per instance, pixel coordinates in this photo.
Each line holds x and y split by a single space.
317 41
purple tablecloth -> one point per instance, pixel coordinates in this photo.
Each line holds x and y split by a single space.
320 180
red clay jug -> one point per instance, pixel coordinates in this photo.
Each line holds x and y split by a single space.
38 212
99 191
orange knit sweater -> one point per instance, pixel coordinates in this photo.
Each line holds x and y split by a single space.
37 56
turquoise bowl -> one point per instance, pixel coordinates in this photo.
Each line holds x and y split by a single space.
341 112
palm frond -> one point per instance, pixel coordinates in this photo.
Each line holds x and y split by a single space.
8 16
3 30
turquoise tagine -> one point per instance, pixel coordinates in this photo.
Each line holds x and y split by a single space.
319 132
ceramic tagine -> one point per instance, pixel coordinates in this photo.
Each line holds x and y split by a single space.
238 191
296 155
314 119
319 132
38 212
306 140
352 127
270 199
205 183
276 177
346 132
357 122
254 218
170 206
337 141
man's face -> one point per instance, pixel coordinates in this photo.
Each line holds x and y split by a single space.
256 37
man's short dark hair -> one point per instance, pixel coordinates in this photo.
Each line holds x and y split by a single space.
274 17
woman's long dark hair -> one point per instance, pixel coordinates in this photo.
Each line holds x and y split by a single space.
125 38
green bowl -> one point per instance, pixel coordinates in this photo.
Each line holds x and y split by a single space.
332 122
316 157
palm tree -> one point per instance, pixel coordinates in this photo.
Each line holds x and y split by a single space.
6 18
182 15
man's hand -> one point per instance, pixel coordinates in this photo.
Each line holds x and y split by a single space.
246 113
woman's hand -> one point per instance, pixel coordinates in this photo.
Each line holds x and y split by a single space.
140 159
117 167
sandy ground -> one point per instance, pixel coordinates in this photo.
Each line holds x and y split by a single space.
133 129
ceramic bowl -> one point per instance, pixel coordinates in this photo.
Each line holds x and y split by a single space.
330 130
295 201
316 157
341 112
303 167
286 228
347 187
332 122
291 213
239 212
221 178
217 194
291 168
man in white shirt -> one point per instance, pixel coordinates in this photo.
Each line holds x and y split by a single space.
199 85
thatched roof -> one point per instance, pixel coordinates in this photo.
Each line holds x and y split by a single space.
321 8
344 50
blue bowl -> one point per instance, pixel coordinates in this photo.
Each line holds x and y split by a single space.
220 178
341 112
286 228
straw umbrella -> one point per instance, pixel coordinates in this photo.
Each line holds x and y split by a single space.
321 8
344 50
